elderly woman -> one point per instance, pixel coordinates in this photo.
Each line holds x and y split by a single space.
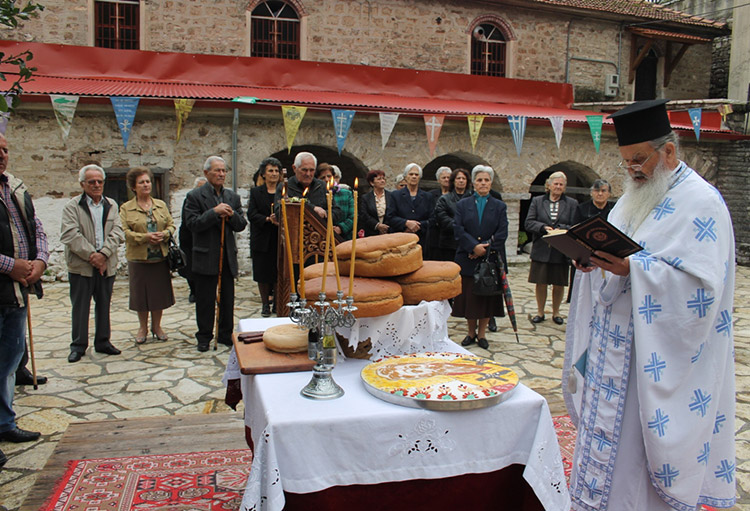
342 197
148 227
445 211
375 205
481 225
412 206
400 181
552 210
264 231
442 176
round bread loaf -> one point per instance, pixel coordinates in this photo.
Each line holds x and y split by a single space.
316 270
372 297
435 280
386 255
288 338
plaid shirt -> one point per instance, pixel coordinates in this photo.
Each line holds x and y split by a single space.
42 252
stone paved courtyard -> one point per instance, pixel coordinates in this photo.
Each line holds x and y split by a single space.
172 377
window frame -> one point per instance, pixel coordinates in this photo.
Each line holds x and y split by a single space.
301 29
510 44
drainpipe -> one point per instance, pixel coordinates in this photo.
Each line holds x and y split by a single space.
235 125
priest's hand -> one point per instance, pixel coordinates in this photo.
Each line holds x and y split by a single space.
584 269
611 263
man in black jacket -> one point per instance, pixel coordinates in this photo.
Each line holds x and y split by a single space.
207 209
304 179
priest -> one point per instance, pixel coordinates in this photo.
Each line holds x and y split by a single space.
649 370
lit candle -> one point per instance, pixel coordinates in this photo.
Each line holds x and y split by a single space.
287 240
302 246
354 240
333 244
328 240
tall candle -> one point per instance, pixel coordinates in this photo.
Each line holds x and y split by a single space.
333 244
354 240
329 230
302 245
287 240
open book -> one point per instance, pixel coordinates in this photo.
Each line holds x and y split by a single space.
581 240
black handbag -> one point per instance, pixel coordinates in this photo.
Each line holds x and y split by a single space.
175 256
488 276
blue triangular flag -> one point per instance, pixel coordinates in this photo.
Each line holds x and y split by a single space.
342 121
695 118
517 129
581 364
125 113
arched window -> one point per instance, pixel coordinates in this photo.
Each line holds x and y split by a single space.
275 31
488 50
117 24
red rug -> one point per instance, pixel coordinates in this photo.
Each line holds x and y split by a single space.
197 481
566 437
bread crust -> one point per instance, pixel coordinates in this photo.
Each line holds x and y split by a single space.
435 280
372 297
287 338
386 255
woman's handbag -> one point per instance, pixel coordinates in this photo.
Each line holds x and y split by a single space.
488 276
175 256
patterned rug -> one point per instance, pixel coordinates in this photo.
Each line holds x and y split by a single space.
196 481
566 437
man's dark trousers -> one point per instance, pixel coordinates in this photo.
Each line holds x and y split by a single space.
82 289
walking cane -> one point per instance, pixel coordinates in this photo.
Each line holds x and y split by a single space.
31 343
218 285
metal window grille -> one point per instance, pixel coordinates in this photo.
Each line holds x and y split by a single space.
117 24
488 49
275 31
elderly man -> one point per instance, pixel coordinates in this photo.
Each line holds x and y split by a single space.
304 167
91 232
23 258
649 369
599 203
208 210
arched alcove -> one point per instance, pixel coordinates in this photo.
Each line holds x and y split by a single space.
459 159
351 167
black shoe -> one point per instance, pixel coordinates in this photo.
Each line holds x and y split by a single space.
225 342
75 356
18 435
266 310
191 298
203 346
537 319
483 343
492 325
557 319
24 377
468 340
3 459
273 307
108 349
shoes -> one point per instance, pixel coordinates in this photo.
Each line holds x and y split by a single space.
140 339
25 377
557 319
191 298
225 342
468 340
107 349
202 346
266 310
273 307
75 356
492 325
537 319
483 343
162 337
3 459
18 435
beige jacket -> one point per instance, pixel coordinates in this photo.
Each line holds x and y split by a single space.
78 235
135 225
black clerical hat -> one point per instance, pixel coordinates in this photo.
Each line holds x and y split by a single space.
641 121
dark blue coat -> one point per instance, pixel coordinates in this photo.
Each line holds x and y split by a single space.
420 209
469 232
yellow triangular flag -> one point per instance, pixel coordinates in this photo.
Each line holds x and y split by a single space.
475 124
292 119
182 108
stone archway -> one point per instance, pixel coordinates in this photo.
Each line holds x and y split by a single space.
459 159
351 167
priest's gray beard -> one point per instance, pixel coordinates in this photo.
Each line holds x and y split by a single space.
640 198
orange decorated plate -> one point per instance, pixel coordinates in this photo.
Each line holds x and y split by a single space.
439 381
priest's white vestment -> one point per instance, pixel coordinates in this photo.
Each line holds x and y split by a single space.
664 334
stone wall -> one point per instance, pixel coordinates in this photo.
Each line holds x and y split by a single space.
722 49
733 184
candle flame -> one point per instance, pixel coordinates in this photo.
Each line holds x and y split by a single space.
304 193
356 182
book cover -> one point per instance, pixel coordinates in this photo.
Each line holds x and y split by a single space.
596 233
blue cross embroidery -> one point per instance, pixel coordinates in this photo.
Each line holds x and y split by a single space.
645 258
659 422
601 437
666 475
700 402
596 326
703 455
725 471
724 324
649 308
705 228
663 209
719 423
697 355
701 302
611 389
675 262
617 336
655 367
594 492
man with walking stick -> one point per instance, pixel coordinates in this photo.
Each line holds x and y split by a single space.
23 258
213 213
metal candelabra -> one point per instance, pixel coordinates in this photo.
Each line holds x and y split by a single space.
322 319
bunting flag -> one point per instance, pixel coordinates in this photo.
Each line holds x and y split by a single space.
475 124
518 130
125 108
557 122
695 118
292 119
64 108
342 122
5 116
433 124
183 108
387 123
595 126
